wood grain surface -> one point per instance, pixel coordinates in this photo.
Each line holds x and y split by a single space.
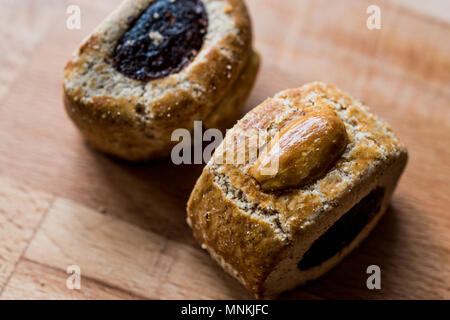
63 204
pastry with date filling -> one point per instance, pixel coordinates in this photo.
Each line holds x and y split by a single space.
323 176
154 66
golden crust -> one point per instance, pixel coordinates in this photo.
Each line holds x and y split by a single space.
228 207
137 118
253 237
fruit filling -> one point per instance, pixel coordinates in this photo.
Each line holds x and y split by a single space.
340 234
162 40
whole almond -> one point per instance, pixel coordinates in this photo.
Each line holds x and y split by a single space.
305 149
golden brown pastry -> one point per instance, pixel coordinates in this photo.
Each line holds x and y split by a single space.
338 165
154 66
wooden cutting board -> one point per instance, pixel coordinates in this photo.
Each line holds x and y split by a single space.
64 204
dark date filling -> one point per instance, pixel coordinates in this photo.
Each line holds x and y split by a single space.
163 40
343 231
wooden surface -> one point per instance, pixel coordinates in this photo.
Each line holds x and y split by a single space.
63 204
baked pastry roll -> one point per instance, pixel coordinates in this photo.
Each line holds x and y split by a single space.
154 66
338 165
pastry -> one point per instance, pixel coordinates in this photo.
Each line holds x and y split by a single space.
338 165
154 66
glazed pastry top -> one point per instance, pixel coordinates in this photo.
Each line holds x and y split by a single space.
370 143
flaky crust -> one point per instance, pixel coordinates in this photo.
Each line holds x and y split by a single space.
133 119
255 233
